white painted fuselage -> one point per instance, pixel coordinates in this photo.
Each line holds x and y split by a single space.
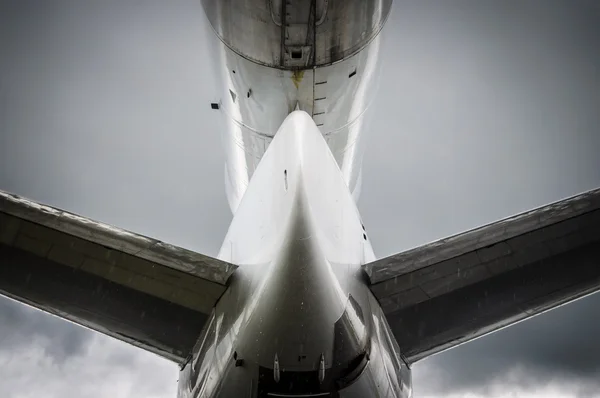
256 96
298 318
299 294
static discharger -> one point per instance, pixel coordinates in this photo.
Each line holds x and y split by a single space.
322 368
276 375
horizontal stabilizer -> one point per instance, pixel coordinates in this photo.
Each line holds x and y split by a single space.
137 289
456 289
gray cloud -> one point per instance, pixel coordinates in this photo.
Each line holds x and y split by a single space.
485 109
43 355
106 112
109 369
559 345
21 326
490 109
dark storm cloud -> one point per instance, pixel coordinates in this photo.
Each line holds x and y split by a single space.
107 368
22 326
486 108
561 345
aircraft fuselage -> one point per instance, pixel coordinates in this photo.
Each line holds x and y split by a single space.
298 318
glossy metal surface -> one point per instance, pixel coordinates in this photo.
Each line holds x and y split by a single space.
255 100
296 34
299 295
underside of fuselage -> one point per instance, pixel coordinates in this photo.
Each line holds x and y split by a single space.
298 318
297 78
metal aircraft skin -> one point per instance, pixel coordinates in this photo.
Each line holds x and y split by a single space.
296 304
298 313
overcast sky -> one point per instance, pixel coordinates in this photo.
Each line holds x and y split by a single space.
486 109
